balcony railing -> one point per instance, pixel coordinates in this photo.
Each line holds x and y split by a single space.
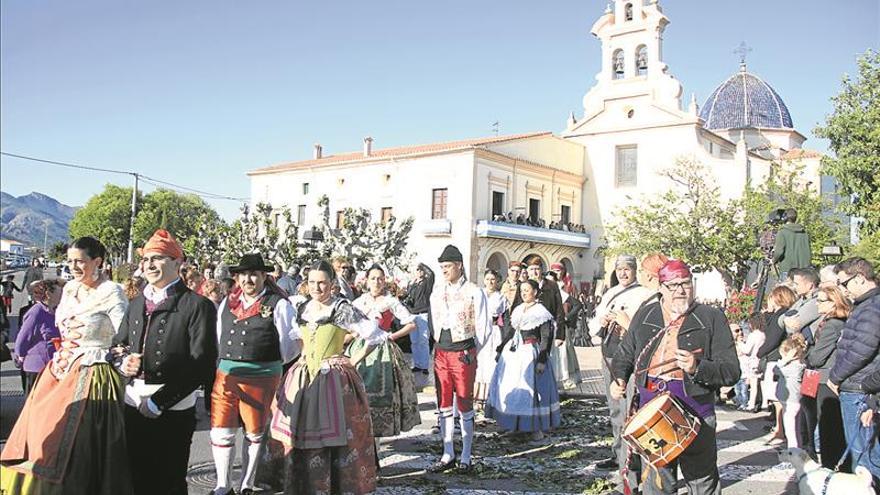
517 232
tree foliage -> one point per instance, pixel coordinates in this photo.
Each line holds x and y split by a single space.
107 217
263 229
365 241
691 222
854 131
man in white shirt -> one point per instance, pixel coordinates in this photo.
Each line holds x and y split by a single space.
458 314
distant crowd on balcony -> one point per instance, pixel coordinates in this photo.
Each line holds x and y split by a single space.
523 219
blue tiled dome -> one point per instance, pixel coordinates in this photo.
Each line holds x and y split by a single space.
745 100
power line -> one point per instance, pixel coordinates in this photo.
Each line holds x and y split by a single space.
150 180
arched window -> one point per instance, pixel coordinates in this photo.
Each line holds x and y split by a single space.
617 64
642 60
628 12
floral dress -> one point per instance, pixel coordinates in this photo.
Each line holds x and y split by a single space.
388 381
321 414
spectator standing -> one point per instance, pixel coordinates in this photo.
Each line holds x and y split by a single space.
823 411
31 275
858 356
788 372
35 342
418 302
792 247
781 298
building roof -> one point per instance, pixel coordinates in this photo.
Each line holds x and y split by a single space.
745 100
797 154
401 151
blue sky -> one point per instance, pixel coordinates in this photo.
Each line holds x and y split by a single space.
199 92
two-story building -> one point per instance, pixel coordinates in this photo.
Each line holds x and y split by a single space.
457 192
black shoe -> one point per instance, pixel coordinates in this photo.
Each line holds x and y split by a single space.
610 463
440 466
247 491
464 468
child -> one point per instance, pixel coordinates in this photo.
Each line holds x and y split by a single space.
741 388
8 287
789 371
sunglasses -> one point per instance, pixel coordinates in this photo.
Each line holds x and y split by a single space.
846 282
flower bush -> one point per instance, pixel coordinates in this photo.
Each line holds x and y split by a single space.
739 305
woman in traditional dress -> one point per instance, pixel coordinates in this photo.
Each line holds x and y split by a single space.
70 436
496 304
563 356
321 413
389 383
523 395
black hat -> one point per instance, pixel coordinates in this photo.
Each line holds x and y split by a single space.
450 253
251 262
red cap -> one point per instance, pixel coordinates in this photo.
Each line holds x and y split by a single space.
674 269
165 243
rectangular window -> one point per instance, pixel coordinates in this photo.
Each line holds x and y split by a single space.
301 215
386 214
340 219
566 214
305 188
438 203
534 210
276 219
627 166
497 204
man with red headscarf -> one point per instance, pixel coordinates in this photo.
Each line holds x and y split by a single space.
166 344
687 349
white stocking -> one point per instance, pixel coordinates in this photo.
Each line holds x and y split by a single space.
447 430
223 448
250 457
467 436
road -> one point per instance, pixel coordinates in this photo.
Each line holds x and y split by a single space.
562 463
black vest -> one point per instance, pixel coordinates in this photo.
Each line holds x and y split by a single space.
251 339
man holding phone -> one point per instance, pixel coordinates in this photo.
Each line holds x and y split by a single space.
687 349
458 314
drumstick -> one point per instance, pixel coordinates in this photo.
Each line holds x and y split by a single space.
695 352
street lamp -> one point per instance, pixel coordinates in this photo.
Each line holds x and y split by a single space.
313 236
832 253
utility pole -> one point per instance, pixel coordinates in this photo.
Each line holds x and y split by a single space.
45 236
134 194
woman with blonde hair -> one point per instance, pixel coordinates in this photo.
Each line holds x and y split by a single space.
823 411
780 299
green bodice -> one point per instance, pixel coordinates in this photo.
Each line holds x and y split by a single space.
321 341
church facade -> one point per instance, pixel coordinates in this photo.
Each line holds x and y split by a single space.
509 197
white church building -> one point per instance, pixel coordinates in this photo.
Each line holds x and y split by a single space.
634 125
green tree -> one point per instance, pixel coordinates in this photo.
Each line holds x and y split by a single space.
854 131
58 251
107 217
180 214
691 222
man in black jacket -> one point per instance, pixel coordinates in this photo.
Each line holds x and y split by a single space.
858 355
698 341
167 345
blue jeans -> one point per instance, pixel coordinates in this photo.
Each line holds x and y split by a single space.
852 405
421 353
742 392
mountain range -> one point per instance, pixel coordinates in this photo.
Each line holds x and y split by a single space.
25 218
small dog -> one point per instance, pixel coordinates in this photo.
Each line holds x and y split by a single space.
813 479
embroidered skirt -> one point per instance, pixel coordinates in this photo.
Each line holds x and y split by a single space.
70 436
324 426
486 363
520 399
391 391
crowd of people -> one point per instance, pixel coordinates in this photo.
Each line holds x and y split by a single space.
307 363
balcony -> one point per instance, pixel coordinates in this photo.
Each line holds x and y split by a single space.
517 232
439 227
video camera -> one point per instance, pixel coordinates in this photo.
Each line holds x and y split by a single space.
776 217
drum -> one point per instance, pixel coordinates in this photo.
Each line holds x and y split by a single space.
661 430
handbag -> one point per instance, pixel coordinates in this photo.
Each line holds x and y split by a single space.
810 383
